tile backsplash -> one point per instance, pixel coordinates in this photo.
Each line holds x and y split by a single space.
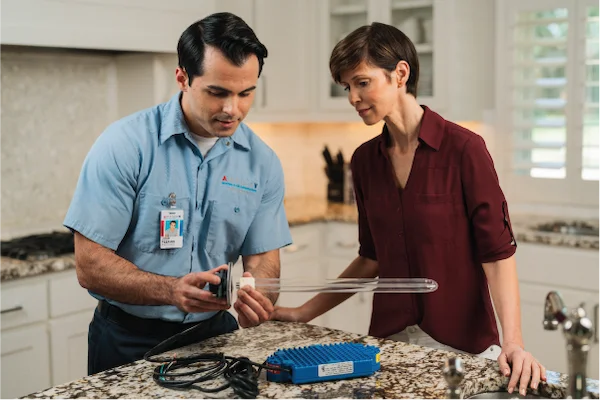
299 148
54 105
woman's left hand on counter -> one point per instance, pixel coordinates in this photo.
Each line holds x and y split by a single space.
525 367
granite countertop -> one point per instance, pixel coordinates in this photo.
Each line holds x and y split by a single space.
407 371
304 210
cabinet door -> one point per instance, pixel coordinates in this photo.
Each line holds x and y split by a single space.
25 361
354 314
301 260
283 91
550 346
337 19
69 346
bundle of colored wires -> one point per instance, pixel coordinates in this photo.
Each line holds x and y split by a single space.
238 373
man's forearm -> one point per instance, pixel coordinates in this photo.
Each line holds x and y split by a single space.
109 275
504 287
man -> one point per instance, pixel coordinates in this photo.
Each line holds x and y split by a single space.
192 160
172 231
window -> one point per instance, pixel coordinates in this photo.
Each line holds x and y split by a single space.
548 84
540 98
590 151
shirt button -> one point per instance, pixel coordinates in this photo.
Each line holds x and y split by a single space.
227 143
237 210
202 167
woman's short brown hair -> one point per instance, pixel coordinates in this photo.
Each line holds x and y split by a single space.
379 45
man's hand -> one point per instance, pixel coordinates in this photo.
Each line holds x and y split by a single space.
252 306
190 296
524 367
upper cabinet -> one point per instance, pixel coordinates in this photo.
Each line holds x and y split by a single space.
124 25
286 84
420 20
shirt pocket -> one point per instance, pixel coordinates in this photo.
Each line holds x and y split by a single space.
145 226
434 217
228 225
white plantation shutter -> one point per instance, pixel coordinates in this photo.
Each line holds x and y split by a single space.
540 93
590 151
548 84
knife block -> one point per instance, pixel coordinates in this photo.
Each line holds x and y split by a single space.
340 188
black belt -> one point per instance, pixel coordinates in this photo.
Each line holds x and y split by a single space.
141 325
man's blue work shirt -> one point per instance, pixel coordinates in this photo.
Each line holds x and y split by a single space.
232 199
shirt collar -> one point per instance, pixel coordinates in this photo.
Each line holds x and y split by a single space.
173 123
431 133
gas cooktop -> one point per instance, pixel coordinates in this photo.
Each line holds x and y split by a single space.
38 247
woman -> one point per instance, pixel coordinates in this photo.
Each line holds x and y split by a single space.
429 205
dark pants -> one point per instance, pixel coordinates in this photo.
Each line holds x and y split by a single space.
116 337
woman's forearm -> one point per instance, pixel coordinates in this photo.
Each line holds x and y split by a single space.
504 287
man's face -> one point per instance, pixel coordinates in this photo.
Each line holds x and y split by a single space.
216 102
173 225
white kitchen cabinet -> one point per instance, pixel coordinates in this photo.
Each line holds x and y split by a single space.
354 314
341 248
423 21
25 360
24 302
284 91
69 346
125 25
302 260
44 332
574 274
550 347
71 311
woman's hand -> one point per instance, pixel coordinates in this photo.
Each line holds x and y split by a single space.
524 367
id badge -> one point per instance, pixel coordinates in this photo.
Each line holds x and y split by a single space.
171 229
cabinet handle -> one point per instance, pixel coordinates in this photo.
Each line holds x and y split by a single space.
13 309
596 323
348 245
292 248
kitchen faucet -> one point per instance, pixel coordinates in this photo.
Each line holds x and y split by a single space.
454 374
578 331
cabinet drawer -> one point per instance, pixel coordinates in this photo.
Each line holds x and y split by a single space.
305 244
26 361
558 266
342 239
67 296
23 303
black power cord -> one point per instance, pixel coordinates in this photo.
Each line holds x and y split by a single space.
240 374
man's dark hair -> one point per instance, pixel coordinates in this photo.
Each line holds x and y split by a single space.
378 45
224 31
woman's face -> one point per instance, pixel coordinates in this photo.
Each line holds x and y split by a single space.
372 91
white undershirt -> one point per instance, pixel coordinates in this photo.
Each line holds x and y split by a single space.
204 143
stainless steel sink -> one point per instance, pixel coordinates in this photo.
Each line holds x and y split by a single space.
504 395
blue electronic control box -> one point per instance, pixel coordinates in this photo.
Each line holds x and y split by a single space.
326 362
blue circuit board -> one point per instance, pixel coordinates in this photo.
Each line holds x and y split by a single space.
318 363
